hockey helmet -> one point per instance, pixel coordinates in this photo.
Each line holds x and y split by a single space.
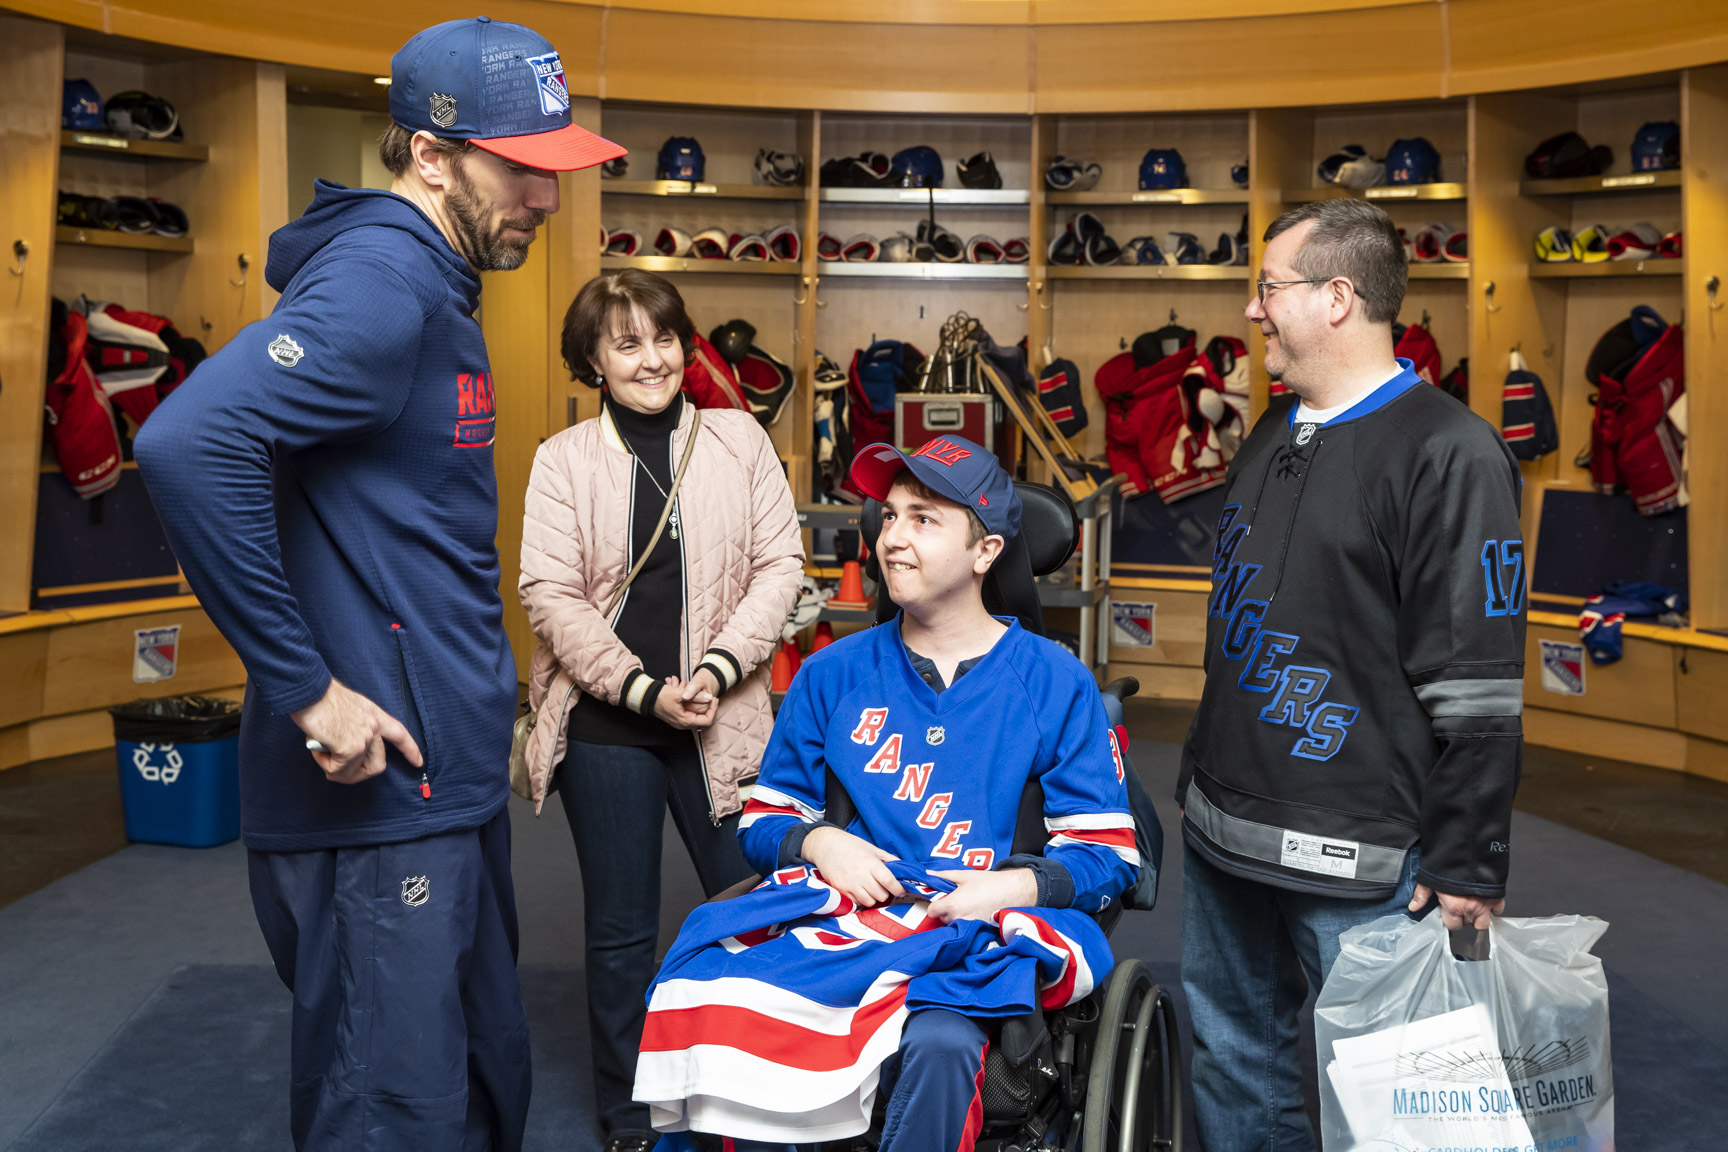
916 167
1163 168
1412 161
680 158
733 339
81 107
1656 147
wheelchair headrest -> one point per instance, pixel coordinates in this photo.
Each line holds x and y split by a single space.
1049 533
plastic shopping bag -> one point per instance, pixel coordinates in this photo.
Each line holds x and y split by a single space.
1420 1051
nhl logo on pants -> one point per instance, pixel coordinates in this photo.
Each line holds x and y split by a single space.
415 889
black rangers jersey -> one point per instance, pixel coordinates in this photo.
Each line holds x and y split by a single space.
1364 652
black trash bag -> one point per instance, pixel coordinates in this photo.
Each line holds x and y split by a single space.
176 720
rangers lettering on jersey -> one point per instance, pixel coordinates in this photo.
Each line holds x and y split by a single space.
934 809
913 783
869 724
888 759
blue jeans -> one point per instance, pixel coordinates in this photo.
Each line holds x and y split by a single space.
1250 952
616 798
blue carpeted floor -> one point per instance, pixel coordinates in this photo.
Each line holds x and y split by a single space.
138 1010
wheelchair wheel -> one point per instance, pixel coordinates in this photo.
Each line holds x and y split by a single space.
1134 1084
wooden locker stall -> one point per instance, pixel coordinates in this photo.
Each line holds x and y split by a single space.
76 654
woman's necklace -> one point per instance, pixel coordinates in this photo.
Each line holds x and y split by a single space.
672 520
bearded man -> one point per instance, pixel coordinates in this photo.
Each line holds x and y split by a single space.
326 481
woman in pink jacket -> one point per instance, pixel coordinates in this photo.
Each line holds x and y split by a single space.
661 700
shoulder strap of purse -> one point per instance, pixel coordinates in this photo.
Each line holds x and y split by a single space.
665 513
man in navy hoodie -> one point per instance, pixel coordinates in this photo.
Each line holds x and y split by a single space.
326 480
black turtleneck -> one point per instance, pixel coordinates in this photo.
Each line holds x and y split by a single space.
650 623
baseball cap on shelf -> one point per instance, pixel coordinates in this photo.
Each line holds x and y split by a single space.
499 85
952 467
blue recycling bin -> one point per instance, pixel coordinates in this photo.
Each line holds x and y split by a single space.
179 762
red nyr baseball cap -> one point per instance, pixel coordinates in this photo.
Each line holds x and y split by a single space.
500 85
952 467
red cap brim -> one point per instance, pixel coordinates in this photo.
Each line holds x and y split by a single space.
874 469
565 149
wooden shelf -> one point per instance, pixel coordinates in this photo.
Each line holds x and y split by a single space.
97 238
1591 185
1576 271
1451 270
1149 272
908 271
693 264
1160 196
1381 194
698 190
103 144
923 197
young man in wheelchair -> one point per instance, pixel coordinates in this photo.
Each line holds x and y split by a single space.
875 957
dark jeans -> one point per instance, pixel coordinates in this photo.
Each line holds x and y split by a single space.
615 797
408 1034
1250 951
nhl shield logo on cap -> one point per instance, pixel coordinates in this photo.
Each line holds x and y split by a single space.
935 735
443 109
554 92
415 889
285 351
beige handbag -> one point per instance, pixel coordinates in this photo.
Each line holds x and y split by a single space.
519 782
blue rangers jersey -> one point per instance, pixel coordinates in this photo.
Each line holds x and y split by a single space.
937 778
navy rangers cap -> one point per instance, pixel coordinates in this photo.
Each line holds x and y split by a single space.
952 467
499 85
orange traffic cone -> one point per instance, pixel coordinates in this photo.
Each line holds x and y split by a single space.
794 654
851 594
780 676
824 636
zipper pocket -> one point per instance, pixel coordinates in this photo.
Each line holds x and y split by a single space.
411 717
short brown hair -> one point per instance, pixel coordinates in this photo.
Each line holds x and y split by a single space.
975 530
1355 240
396 152
610 294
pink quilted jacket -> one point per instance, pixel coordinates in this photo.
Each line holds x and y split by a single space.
743 557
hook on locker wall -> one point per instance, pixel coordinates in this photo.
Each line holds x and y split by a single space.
20 253
245 263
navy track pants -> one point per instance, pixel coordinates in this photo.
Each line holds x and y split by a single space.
409 1033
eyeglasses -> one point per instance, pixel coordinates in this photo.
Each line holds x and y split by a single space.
1262 285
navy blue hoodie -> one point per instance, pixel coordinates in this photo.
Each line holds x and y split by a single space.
326 482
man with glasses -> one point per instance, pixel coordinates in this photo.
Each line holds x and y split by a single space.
1357 743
